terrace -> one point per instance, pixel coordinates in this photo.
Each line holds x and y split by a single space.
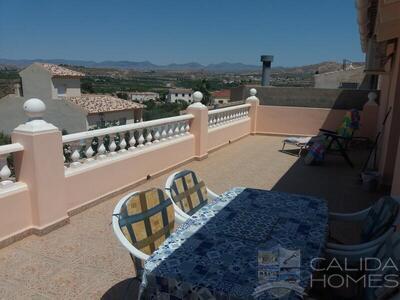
64 262
56 230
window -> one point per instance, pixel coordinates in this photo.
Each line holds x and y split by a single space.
176 95
61 90
190 95
183 95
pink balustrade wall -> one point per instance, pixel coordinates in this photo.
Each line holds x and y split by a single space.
84 186
305 121
225 134
15 212
111 176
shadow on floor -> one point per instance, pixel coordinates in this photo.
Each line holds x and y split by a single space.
124 290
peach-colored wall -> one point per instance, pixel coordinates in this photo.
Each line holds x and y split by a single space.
287 120
90 183
220 136
396 175
390 98
15 211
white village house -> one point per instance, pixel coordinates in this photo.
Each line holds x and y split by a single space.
177 94
59 88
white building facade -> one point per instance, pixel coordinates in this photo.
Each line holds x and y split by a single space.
175 95
143 96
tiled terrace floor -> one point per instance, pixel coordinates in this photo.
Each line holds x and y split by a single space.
83 259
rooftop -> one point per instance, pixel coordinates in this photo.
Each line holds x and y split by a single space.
93 104
83 259
180 90
58 71
222 94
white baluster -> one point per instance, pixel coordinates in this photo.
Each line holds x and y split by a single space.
209 121
176 131
157 136
122 146
170 132
89 153
75 158
149 137
112 147
101 151
187 128
132 142
182 129
164 133
5 174
141 140
218 120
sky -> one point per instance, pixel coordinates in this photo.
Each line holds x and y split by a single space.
296 32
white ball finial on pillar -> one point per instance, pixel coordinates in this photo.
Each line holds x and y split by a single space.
253 93
34 108
197 97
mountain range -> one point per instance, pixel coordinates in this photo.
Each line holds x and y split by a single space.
140 65
322 67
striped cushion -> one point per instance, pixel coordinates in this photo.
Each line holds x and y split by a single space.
381 216
147 219
188 193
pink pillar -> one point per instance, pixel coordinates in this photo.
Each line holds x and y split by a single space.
41 167
369 116
199 126
254 102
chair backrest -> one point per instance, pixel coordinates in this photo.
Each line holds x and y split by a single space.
385 268
379 219
188 193
350 123
146 219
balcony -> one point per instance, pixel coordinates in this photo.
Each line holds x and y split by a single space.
56 231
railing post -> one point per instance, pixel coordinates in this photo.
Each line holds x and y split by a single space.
41 167
369 116
254 102
199 126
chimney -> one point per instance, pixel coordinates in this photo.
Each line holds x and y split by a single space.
266 69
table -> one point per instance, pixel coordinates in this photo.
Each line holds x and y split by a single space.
214 254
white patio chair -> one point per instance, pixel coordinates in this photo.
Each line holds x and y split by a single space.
187 193
378 226
128 211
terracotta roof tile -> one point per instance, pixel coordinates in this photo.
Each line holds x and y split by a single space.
92 103
58 71
221 94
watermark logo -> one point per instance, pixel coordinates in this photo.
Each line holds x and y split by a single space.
278 272
369 272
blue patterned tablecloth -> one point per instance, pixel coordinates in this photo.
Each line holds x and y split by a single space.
214 254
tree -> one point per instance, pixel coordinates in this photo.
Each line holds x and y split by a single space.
204 87
4 139
87 87
122 96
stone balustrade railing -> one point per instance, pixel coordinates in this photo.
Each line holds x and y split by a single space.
86 147
222 116
7 176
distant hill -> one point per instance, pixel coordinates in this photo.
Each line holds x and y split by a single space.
139 66
193 66
323 67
